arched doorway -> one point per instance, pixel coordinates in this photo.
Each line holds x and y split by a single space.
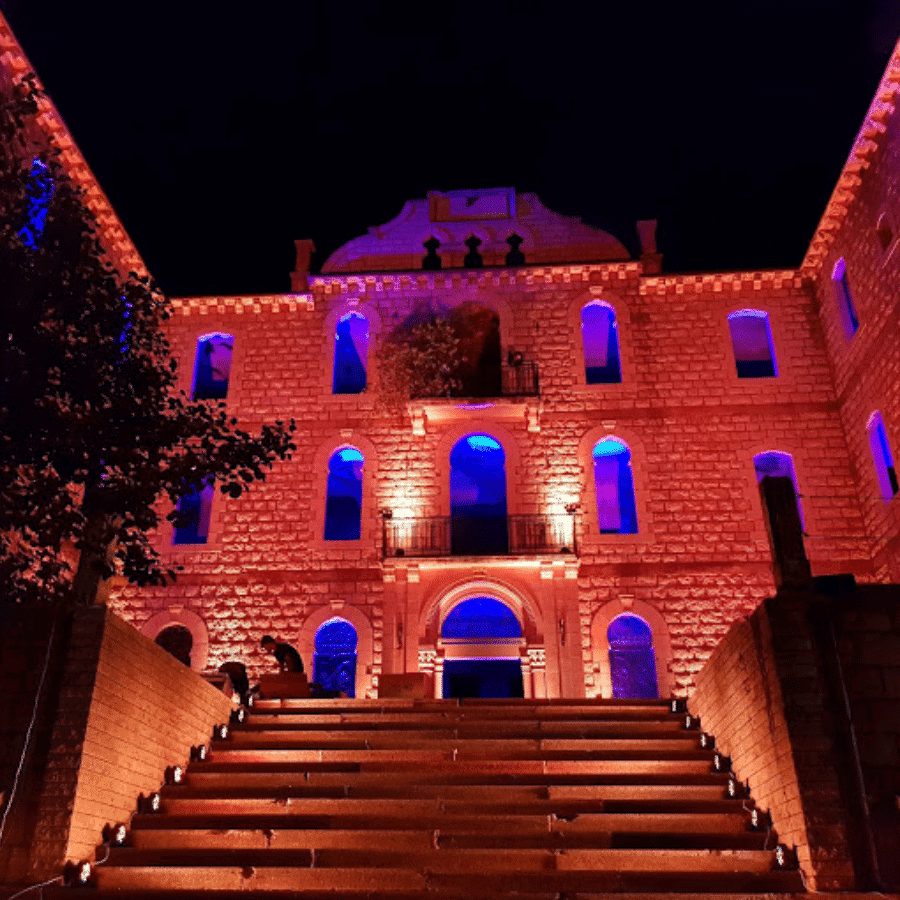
632 660
177 640
334 660
482 639
478 497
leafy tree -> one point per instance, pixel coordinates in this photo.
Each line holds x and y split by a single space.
418 361
93 433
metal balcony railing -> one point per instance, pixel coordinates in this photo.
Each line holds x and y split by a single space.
519 380
437 536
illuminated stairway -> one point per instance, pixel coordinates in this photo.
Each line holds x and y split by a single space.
452 798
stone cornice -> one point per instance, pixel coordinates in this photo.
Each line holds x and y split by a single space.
115 239
867 143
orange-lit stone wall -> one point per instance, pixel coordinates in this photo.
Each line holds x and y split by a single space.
127 710
762 697
700 559
867 366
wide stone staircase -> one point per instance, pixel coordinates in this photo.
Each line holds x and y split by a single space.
447 798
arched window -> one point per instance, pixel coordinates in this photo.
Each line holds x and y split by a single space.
844 296
632 661
614 486
600 342
334 661
751 338
351 354
882 456
478 497
39 191
343 507
194 516
481 618
177 640
213 368
778 465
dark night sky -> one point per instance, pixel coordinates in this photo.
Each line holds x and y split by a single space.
221 137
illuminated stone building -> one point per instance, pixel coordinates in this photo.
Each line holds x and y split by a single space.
583 513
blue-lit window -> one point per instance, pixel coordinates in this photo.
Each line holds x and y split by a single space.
614 487
846 307
195 513
213 369
882 457
751 339
343 507
776 464
334 662
39 191
481 618
600 342
632 660
351 354
478 497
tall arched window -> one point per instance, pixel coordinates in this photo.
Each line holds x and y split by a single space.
751 339
632 661
882 456
844 296
213 369
600 342
343 506
351 354
334 662
614 487
778 465
478 497
194 516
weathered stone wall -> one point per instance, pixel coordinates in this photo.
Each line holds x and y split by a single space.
126 711
700 558
763 696
866 366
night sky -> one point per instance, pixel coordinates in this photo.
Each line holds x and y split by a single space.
220 138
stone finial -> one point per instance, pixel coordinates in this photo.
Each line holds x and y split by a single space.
515 257
473 259
300 275
650 257
431 262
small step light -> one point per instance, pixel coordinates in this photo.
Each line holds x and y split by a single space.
119 835
780 856
721 763
677 705
732 788
174 775
199 754
704 740
691 722
238 716
220 732
250 701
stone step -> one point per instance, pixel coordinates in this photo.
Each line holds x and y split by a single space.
453 860
442 838
163 831
578 801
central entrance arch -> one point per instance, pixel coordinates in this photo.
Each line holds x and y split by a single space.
482 638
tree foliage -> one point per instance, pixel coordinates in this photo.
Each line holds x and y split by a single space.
419 361
93 433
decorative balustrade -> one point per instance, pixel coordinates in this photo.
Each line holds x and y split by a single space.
518 380
435 536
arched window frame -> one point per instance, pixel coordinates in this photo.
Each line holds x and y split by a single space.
199 349
882 457
621 310
158 623
843 294
627 505
370 530
613 375
802 507
207 520
758 314
339 380
589 514
342 455
662 644
344 307
366 667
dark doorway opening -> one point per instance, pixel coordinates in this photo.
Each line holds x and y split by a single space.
483 678
632 661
